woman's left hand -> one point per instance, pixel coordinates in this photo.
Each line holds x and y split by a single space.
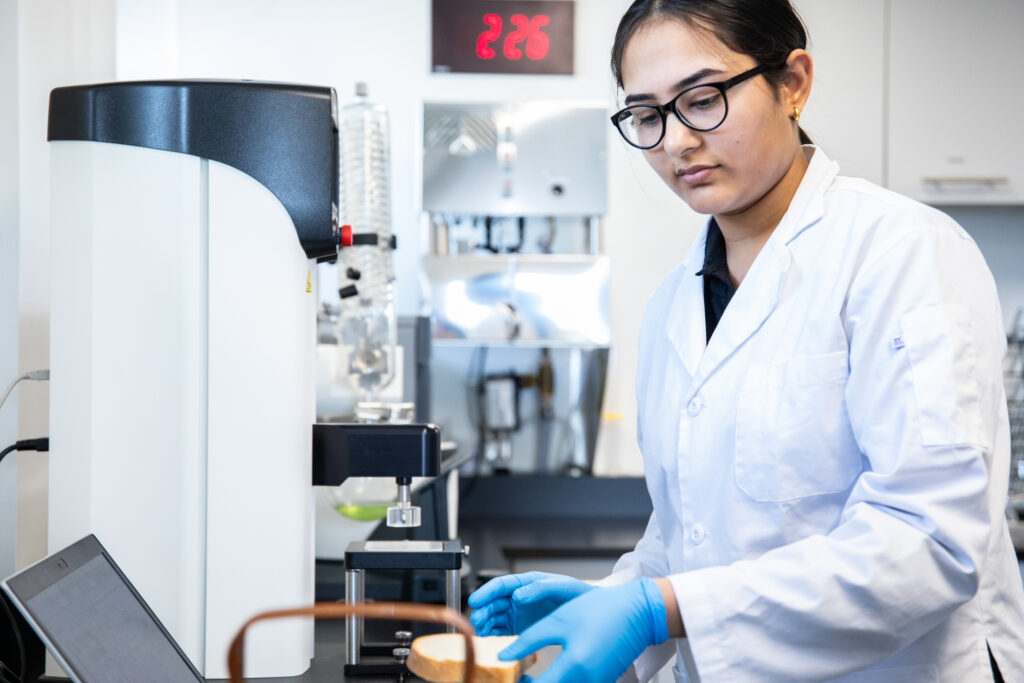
601 632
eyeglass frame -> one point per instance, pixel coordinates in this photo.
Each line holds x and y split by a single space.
664 109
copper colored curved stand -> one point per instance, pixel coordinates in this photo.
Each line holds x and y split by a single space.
378 610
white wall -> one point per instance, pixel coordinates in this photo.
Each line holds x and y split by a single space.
59 43
845 113
8 274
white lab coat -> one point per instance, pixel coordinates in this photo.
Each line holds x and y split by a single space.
829 473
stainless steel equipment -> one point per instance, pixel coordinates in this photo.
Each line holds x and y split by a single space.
517 283
514 159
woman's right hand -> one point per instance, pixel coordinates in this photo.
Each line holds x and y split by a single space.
509 604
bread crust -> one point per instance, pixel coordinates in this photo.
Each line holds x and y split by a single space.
449 670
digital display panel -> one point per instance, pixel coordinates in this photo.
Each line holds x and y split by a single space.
503 36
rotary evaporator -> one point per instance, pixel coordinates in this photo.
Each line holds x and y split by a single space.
365 327
356 320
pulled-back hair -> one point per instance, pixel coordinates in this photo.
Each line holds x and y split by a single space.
767 30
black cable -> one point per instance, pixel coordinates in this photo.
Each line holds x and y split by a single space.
488 245
42 444
522 236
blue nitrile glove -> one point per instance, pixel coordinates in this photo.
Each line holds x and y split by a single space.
601 633
510 604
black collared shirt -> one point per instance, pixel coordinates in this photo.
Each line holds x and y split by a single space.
718 288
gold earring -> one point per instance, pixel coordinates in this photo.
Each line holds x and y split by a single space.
795 116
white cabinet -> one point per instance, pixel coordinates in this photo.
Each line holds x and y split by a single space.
955 130
922 96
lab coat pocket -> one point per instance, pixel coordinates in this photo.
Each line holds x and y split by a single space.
938 342
793 437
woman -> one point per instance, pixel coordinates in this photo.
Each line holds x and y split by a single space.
821 409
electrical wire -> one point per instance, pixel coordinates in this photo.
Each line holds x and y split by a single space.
36 375
10 387
42 444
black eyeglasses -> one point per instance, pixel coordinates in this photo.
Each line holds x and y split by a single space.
702 108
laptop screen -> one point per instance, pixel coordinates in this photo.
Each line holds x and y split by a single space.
94 621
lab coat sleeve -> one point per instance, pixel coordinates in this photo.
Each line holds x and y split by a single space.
647 559
924 335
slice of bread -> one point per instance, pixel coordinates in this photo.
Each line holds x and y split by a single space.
440 658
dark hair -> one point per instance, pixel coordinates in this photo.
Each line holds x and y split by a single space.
767 30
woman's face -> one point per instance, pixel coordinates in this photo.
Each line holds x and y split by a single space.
727 170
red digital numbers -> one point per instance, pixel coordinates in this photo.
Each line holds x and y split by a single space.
537 40
488 36
527 29
519 35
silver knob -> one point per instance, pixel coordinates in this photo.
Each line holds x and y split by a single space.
404 638
401 654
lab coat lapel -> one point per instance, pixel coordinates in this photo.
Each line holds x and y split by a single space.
686 327
760 291
753 302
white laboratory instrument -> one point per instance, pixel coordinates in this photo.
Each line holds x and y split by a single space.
186 218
